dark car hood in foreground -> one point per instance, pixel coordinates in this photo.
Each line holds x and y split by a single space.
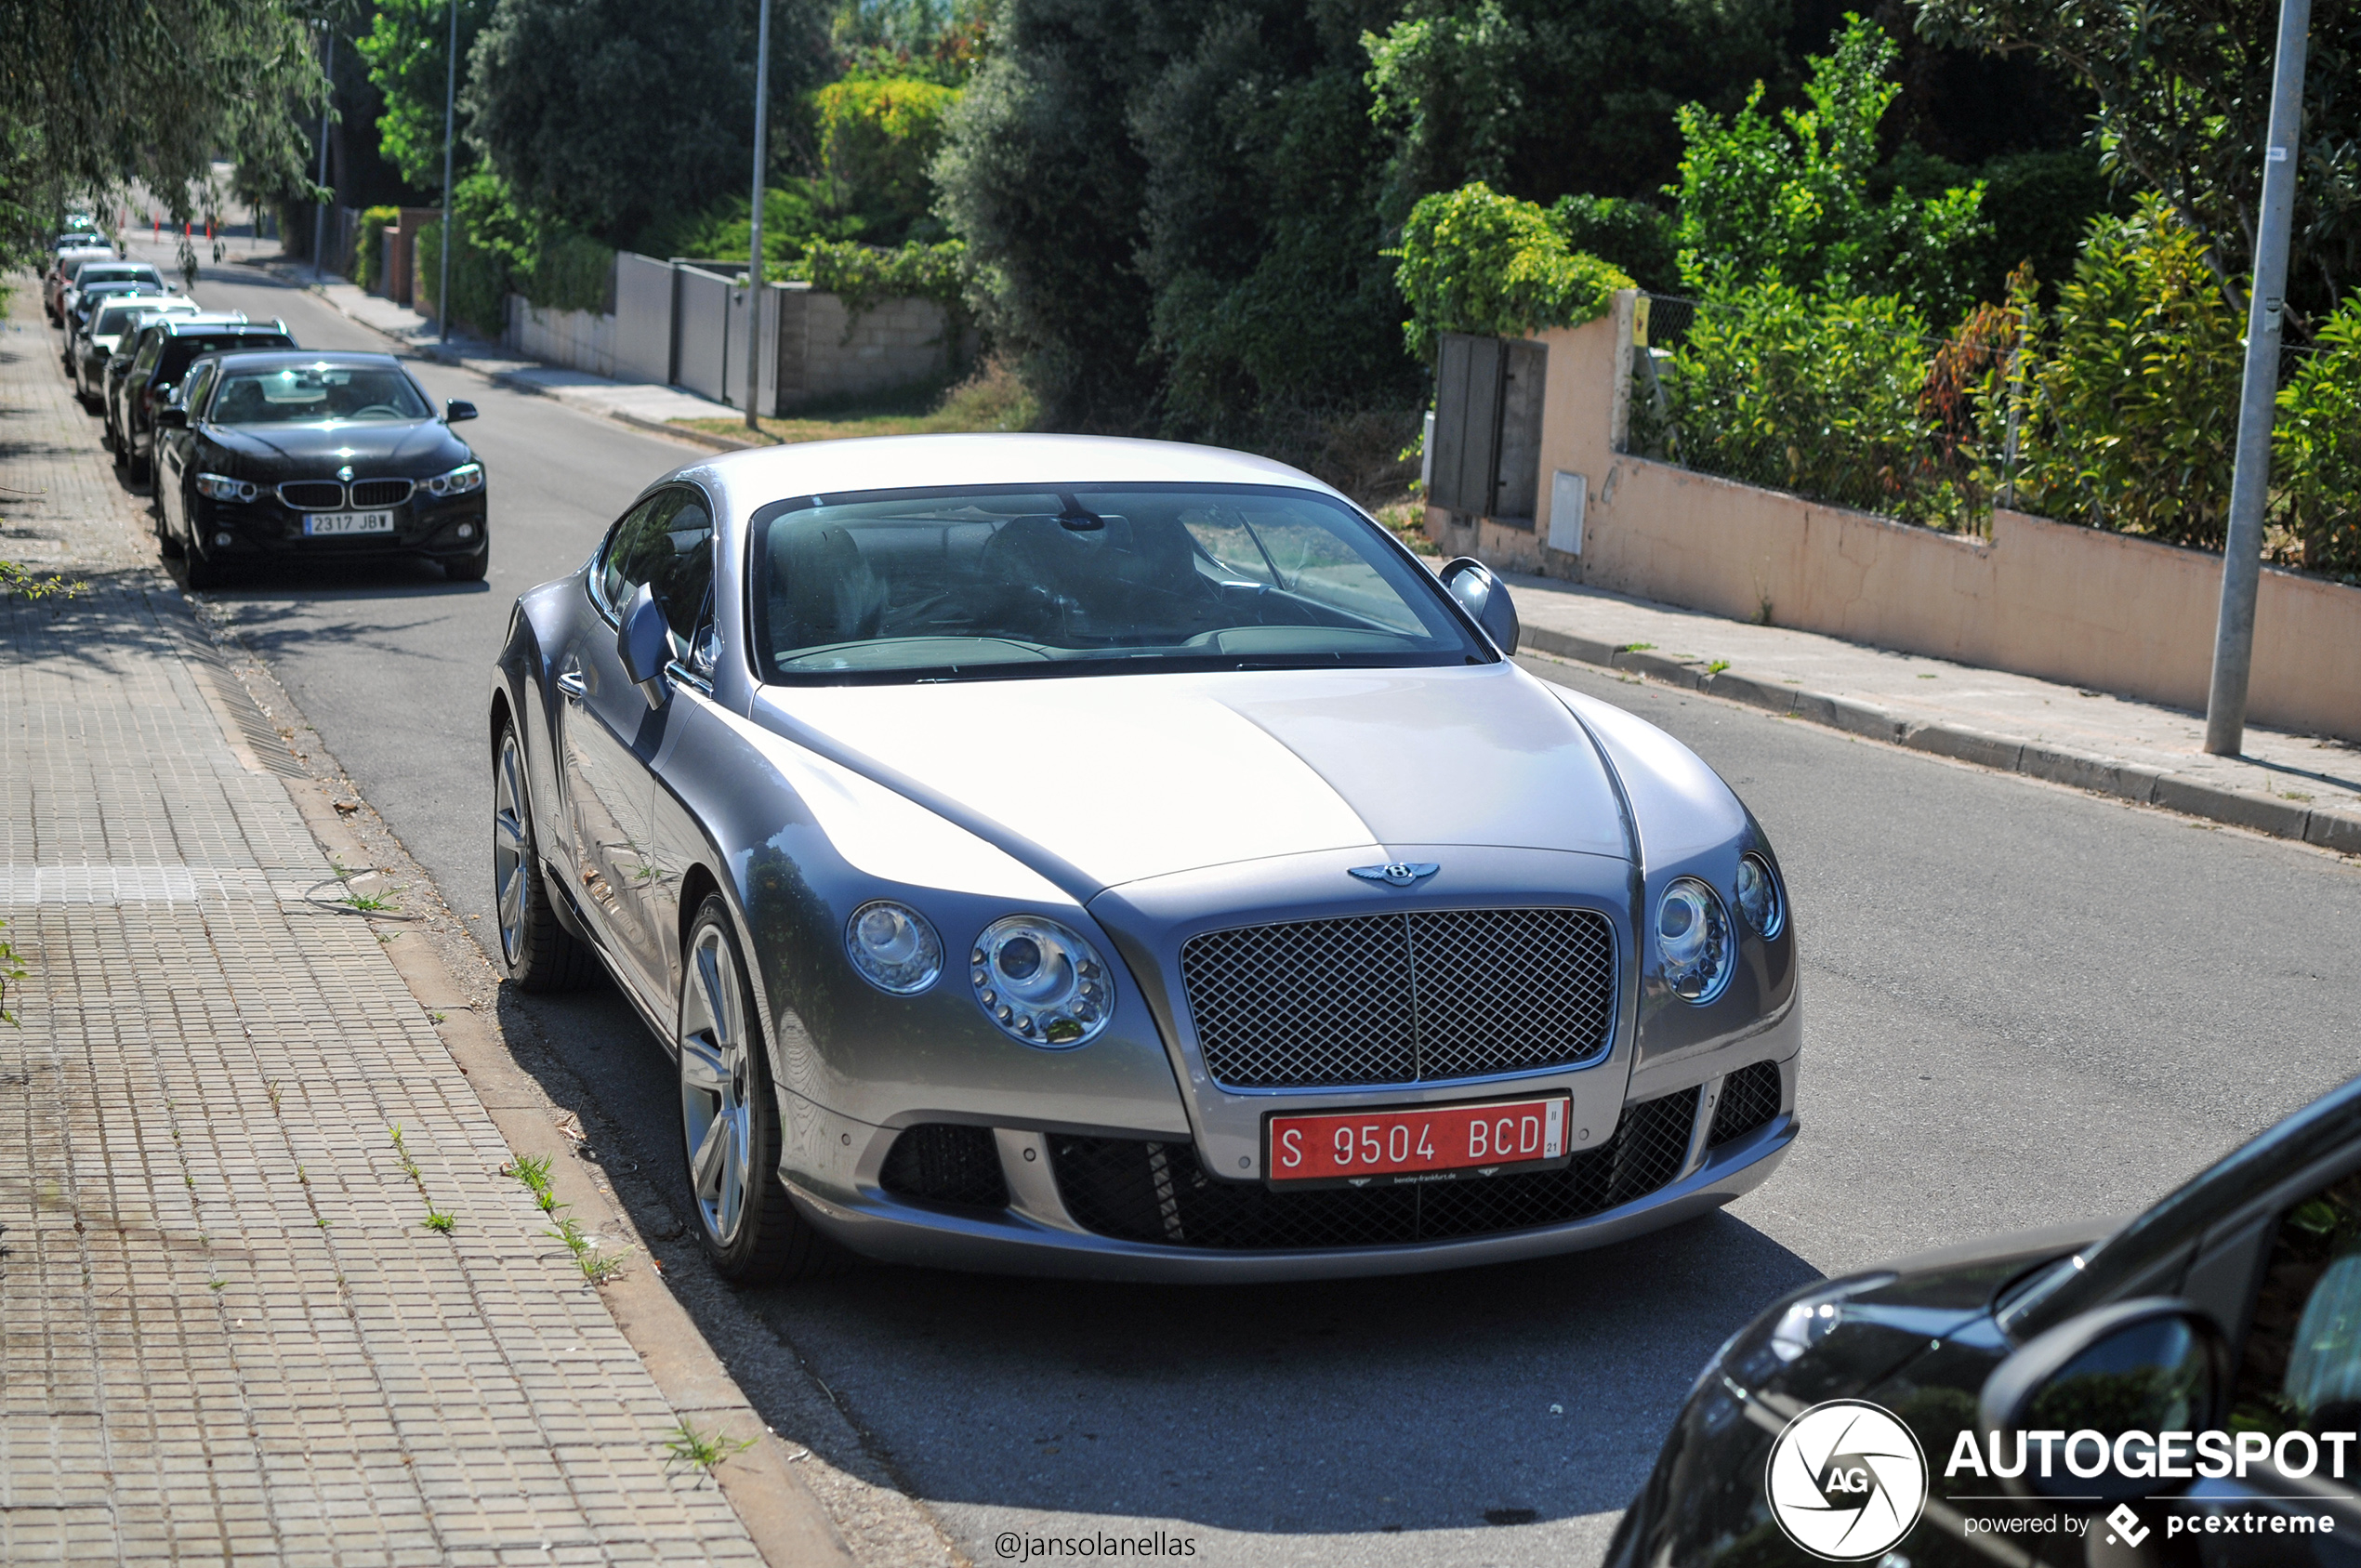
409 449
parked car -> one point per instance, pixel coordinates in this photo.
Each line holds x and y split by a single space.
93 273
2233 1304
167 350
59 276
136 318
315 457
111 320
1123 859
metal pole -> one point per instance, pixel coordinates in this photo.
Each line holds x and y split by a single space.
320 212
2225 707
450 98
754 289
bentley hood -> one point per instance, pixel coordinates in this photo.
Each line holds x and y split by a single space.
1121 778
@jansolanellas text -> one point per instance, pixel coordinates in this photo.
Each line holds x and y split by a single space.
1012 1546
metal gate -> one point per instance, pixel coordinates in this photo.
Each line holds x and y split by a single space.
1487 454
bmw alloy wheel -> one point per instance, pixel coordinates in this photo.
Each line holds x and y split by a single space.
715 1079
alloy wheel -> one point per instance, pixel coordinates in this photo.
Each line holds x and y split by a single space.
512 846
715 1077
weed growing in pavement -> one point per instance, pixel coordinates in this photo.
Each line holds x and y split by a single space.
11 968
274 1096
438 1220
1717 666
689 1446
217 1285
1637 646
534 1171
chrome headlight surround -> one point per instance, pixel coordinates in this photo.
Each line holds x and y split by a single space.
894 947
222 487
1761 902
1040 983
1693 941
459 481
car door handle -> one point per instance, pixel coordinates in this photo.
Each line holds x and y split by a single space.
570 686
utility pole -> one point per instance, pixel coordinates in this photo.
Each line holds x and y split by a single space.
450 98
319 211
2225 707
754 289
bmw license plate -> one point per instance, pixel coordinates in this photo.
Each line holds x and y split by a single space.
317 523
1429 1144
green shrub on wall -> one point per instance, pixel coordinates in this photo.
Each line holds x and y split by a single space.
1475 262
2316 449
862 275
368 246
478 282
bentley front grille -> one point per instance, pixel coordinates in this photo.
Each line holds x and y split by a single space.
1749 1100
1422 996
1140 1191
312 494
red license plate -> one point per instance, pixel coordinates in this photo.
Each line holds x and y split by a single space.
1432 1144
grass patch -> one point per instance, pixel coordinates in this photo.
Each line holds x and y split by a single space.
991 400
1717 666
689 1447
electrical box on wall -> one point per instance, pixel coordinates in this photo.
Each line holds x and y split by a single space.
1486 449
1569 498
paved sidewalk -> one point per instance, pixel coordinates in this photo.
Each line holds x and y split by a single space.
226 1332
2293 787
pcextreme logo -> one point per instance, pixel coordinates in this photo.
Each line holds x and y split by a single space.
1846 1481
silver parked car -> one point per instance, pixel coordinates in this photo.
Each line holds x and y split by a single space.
1111 858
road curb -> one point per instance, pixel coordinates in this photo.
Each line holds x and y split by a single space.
2337 831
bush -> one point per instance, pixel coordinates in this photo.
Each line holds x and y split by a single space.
479 281
1633 236
1475 262
2316 448
571 273
877 137
862 275
368 245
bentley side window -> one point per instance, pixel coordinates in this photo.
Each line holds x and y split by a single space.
683 578
623 565
2302 1367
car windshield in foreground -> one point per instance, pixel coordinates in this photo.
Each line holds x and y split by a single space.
311 394
998 582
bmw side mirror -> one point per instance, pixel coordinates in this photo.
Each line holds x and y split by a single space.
457 410
644 644
1485 599
172 418
2156 1369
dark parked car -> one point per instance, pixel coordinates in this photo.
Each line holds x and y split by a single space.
314 456
166 353
85 303
109 329
2228 1316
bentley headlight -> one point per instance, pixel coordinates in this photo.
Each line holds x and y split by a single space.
1041 983
893 947
1759 898
459 481
1692 940
221 487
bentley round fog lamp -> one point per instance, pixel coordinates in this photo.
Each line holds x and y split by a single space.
893 947
1693 941
1759 898
1040 983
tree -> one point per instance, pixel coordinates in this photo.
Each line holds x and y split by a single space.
406 47
94 93
1788 199
2183 88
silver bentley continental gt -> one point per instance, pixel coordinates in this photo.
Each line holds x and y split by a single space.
1109 858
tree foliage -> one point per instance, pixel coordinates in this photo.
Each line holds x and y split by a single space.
878 136
2316 448
1475 262
1787 198
407 48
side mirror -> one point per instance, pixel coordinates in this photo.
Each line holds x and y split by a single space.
172 418
644 644
1485 599
2151 1367
457 410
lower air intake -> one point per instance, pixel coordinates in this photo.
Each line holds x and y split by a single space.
944 1163
1749 1100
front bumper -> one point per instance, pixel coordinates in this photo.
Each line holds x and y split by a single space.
264 528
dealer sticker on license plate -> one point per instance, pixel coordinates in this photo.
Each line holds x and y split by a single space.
348 522
1429 1144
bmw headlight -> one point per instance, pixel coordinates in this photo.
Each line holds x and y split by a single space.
1693 941
1041 983
1759 898
459 481
221 487
893 947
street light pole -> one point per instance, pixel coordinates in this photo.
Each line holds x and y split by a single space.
450 98
319 210
2225 707
753 268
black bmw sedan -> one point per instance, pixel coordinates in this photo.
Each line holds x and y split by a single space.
2182 1389
314 456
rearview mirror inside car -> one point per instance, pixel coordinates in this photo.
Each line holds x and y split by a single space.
1485 599
644 642
2156 1369
457 410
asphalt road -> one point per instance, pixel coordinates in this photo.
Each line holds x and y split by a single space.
2024 1005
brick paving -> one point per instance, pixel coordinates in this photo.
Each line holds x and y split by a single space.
225 1333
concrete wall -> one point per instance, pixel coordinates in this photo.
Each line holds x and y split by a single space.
893 343
2079 605
577 339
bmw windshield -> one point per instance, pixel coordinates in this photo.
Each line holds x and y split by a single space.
997 581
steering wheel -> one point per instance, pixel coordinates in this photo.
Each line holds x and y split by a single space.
385 408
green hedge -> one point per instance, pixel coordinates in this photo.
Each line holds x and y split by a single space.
478 282
368 245
863 275
1475 262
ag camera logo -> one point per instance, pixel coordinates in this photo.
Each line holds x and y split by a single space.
1846 1481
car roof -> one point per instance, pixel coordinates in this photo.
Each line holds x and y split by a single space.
127 268
216 321
132 304
247 358
755 478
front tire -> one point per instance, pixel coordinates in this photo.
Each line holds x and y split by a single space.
469 569
730 1119
536 949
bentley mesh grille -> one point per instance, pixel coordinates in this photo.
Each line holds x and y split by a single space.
1138 1192
380 491
1750 1098
944 1163
312 494
1415 997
